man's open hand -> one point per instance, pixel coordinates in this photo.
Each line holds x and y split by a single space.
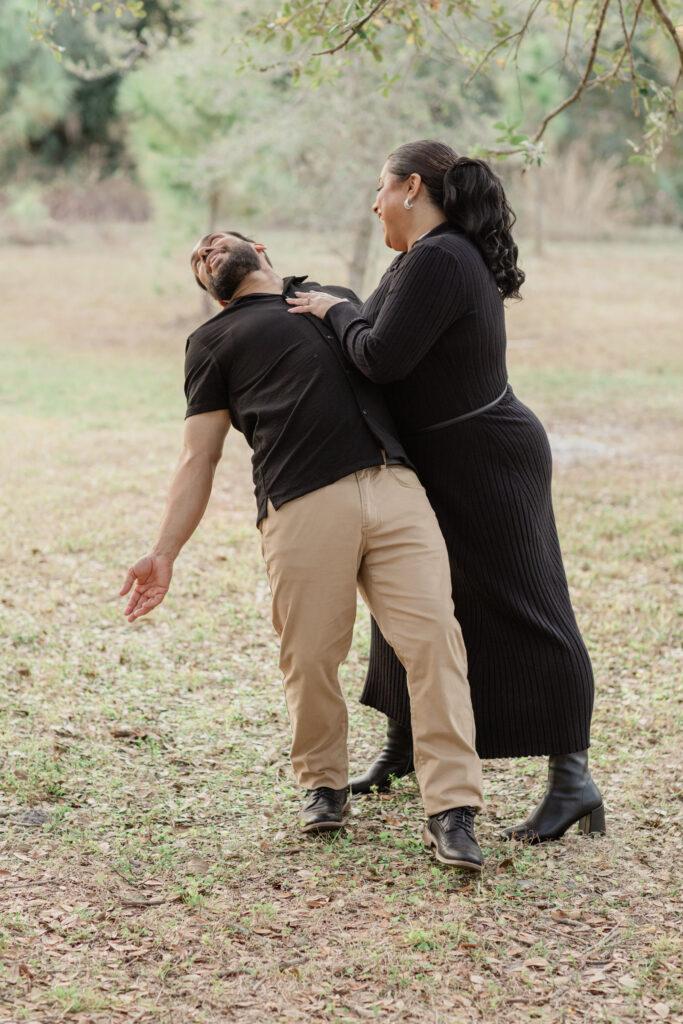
151 576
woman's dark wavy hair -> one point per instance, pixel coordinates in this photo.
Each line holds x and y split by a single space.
472 198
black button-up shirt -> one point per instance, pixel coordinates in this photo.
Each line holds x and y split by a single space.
309 417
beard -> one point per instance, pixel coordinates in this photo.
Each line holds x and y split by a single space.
233 268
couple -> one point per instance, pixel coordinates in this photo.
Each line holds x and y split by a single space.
341 406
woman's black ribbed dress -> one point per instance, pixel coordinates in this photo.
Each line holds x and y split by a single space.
433 334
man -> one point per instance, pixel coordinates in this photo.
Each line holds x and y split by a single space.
338 508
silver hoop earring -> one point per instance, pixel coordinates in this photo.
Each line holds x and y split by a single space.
408 205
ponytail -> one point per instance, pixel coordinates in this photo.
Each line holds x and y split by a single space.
473 200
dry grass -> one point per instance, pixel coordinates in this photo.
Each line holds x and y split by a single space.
150 864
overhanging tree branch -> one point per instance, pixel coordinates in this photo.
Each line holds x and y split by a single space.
670 27
518 35
354 30
327 28
584 78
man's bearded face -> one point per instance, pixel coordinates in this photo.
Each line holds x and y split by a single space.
226 270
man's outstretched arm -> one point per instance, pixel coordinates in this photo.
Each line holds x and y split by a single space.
187 500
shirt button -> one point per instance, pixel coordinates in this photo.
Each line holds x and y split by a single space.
364 411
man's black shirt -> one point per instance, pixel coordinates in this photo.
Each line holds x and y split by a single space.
309 417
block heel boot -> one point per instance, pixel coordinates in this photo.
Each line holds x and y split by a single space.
570 798
394 760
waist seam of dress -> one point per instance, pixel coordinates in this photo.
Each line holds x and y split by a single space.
465 416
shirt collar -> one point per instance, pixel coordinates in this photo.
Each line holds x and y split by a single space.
440 229
292 283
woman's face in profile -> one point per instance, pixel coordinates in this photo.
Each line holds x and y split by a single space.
388 206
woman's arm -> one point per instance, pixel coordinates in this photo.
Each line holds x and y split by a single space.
425 298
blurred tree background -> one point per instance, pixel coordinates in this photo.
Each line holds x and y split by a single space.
211 113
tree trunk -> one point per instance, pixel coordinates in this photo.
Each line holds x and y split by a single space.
213 210
538 211
358 264
214 204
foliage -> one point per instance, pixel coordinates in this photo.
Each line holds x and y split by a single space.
256 146
606 43
120 34
35 94
64 111
217 125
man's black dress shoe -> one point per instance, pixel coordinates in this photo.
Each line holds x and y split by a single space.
450 835
571 797
325 809
394 759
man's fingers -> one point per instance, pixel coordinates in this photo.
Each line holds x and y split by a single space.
139 605
127 583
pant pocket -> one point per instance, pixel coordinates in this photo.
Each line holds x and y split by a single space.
405 476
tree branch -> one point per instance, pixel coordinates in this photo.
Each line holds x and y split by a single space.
570 25
116 68
355 29
584 78
670 27
518 35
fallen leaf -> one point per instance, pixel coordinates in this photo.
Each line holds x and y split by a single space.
505 864
156 902
65 731
197 866
538 963
34 817
566 916
661 1009
317 901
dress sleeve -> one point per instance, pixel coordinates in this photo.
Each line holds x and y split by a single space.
342 293
425 298
205 386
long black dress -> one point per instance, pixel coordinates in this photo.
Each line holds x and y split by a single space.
433 334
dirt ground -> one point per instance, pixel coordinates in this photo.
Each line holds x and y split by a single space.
151 869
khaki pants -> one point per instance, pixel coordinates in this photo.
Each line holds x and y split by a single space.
374 530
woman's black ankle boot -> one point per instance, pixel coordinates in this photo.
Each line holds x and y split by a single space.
394 759
571 797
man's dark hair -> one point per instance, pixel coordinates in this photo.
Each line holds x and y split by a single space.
237 234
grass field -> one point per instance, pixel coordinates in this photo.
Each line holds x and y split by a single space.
150 863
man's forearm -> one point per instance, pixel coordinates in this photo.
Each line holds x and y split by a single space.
187 499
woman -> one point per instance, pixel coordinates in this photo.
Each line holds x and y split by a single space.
433 334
